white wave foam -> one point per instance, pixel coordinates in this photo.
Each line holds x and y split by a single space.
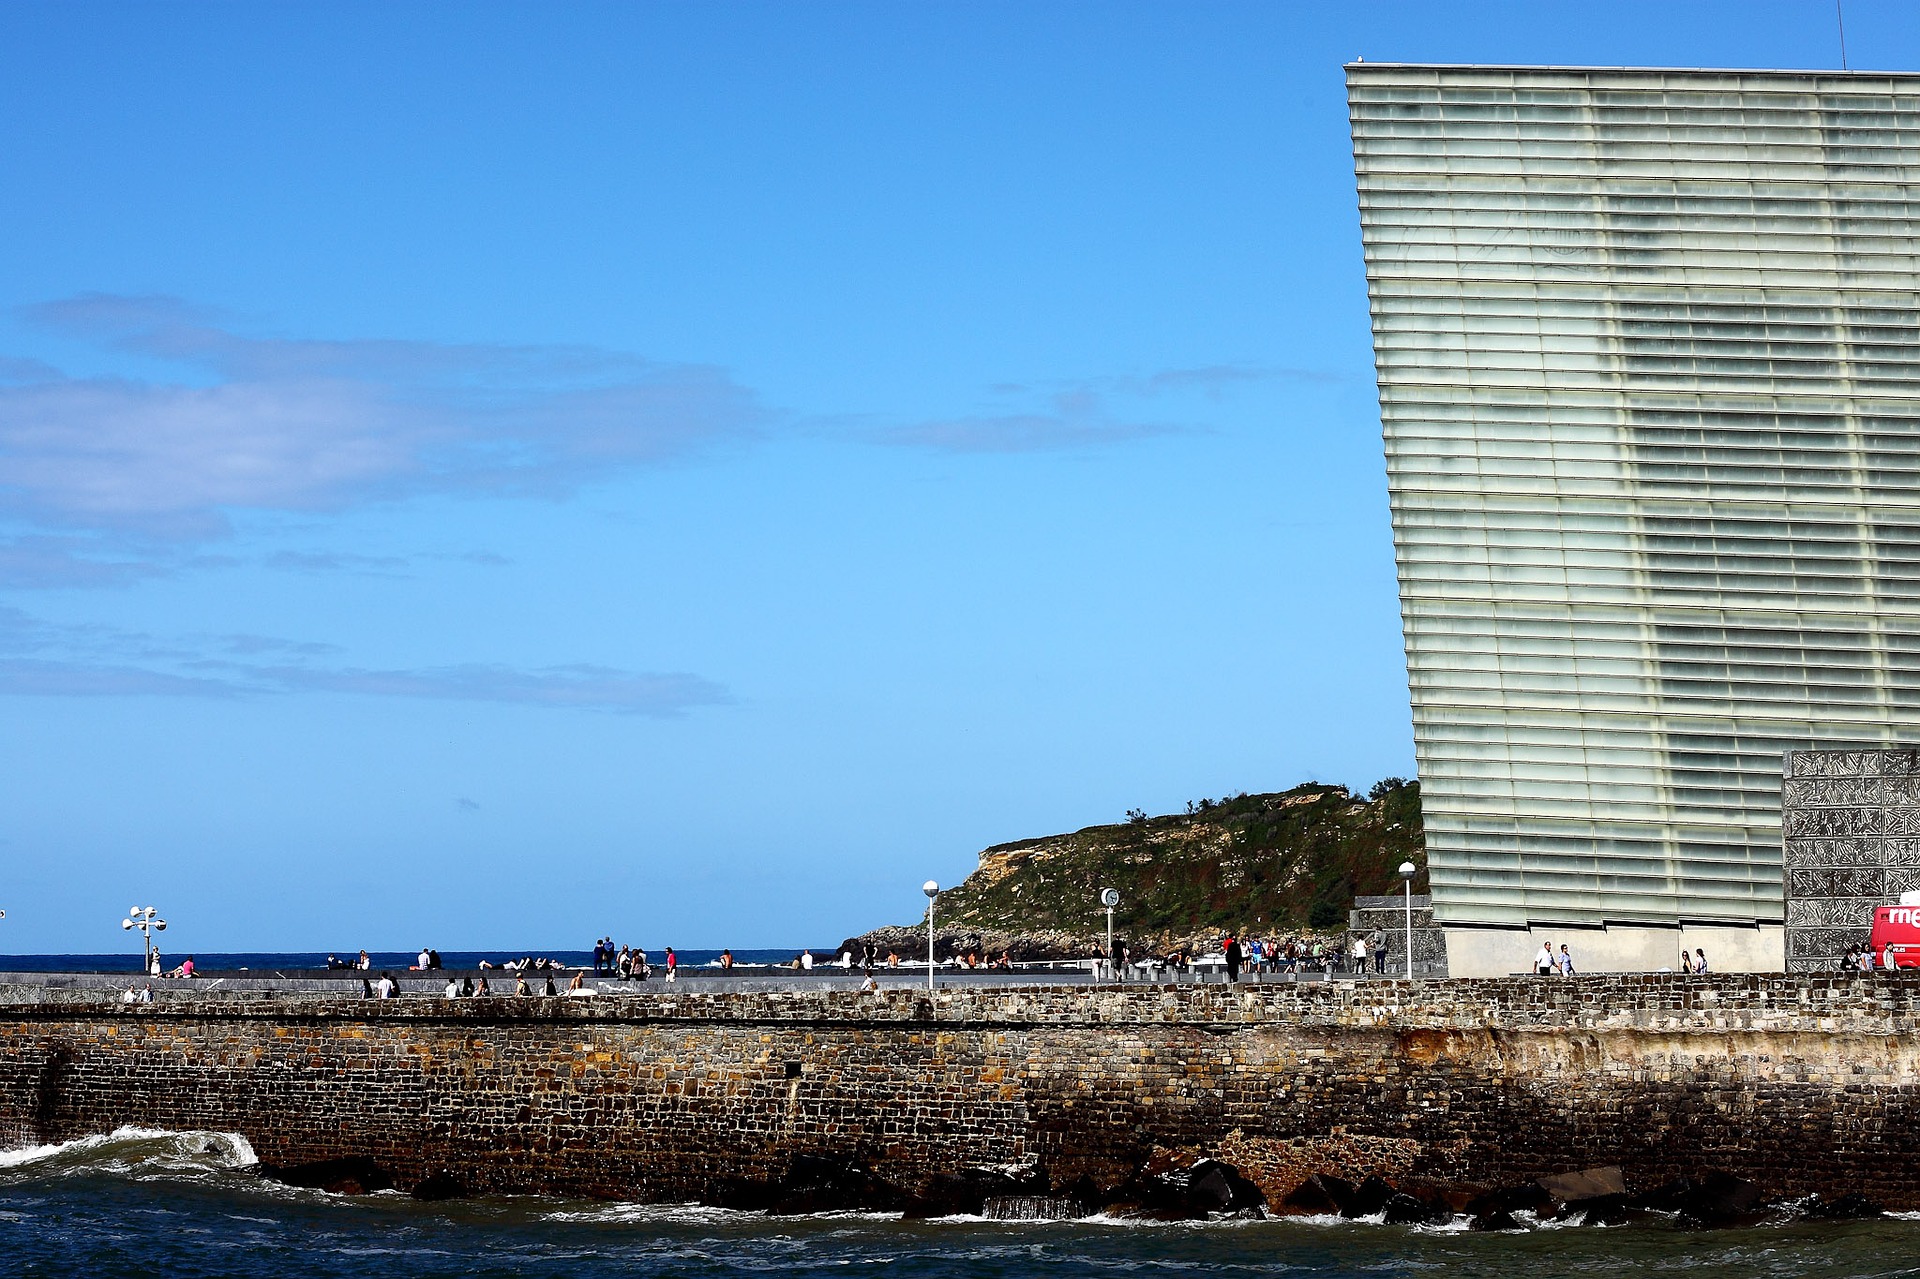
133 1149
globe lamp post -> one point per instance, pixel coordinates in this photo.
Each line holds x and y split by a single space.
1406 874
932 890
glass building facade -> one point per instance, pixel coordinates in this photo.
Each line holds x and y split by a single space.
1648 346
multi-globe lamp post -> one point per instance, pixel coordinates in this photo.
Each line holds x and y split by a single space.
146 919
932 890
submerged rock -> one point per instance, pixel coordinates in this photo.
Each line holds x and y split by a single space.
1208 1187
350 1175
441 1184
1321 1195
827 1183
1368 1199
1715 1199
1845 1208
968 1191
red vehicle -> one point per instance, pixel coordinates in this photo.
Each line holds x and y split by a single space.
1899 927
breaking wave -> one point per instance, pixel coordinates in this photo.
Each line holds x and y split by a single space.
129 1152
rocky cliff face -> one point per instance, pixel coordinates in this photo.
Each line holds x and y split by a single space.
1273 864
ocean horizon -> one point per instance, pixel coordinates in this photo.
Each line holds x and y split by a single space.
210 961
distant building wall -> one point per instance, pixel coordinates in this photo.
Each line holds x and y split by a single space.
1616 948
1850 824
1648 351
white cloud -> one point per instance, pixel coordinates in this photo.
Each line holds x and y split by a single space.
301 425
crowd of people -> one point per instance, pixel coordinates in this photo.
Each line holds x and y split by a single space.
1296 955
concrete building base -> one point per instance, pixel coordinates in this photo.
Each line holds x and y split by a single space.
1616 948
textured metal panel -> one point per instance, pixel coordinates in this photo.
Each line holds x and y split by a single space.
1648 348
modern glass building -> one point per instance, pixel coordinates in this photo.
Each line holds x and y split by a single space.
1648 346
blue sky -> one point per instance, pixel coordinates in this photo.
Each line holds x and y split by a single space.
492 476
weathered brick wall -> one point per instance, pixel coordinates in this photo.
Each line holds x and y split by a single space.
1799 1082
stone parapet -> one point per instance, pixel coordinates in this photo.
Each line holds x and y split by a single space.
1797 1082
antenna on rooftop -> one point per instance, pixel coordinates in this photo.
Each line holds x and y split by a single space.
1840 19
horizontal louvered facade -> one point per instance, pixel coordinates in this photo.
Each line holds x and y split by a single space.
1648 348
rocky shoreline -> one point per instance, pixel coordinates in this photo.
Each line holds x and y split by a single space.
1200 1190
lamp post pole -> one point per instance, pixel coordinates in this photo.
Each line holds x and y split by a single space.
932 890
1110 897
1406 874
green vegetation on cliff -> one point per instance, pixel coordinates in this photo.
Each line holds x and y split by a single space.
1273 863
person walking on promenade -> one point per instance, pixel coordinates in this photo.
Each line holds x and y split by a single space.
482 988
387 986
1230 948
1359 954
550 986
520 986
453 987
1119 959
1564 961
673 964
1380 951
1699 960
1543 960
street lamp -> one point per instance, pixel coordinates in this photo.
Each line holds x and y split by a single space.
1110 897
145 918
1406 873
932 890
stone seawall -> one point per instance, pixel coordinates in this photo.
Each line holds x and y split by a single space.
1800 1083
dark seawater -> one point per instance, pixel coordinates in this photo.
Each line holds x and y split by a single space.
184 1205
392 960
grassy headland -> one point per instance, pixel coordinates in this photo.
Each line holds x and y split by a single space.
1275 864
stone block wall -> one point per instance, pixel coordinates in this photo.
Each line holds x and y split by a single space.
1799 1083
1850 841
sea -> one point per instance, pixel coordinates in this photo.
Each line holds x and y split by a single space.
268 962
137 1202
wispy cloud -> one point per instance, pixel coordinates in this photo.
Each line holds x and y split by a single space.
337 562
598 688
279 424
44 659
28 677
1074 419
1085 413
